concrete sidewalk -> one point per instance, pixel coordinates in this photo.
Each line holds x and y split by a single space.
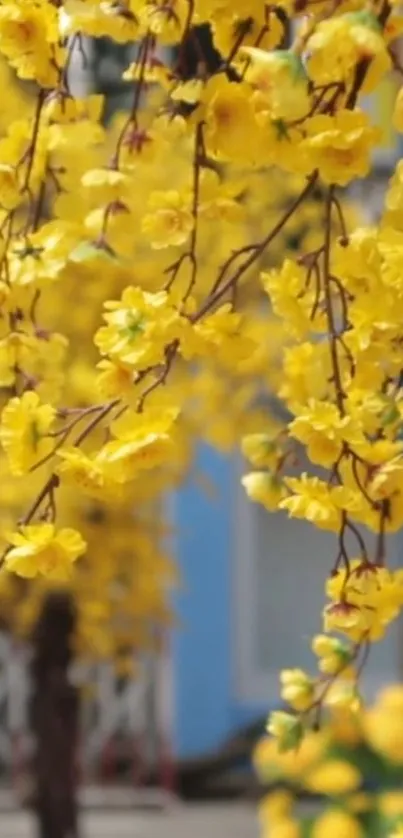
229 820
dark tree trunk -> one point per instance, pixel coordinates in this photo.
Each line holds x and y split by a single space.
54 720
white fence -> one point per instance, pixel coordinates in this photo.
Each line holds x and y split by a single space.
135 712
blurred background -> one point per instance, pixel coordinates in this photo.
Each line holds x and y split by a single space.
182 724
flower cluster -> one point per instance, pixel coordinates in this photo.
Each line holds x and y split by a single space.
157 227
353 767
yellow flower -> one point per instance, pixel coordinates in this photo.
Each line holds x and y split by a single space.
139 327
62 108
265 488
256 23
27 31
391 697
333 777
114 379
358 261
306 372
391 803
165 22
9 187
142 441
334 823
291 299
220 335
366 584
42 550
297 689
40 257
344 725
274 763
108 185
354 621
339 44
25 423
280 83
312 499
364 602
323 430
97 20
286 729
88 473
334 655
188 91
228 112
383 724
263 450
285 828
340 145
274 807
169 220
343 696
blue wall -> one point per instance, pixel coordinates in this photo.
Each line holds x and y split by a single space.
201 645
206 708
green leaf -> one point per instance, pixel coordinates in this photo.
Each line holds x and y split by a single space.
287 729
371 824
292 737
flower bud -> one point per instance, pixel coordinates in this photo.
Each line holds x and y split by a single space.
286 728
297 689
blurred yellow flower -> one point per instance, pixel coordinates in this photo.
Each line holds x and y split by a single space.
41 549
333 777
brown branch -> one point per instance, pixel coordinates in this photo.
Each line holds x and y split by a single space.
30 154
343 226
51 484
95 422
170 354
329 305
144 48
257 250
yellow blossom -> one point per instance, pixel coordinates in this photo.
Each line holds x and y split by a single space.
40 549
334 655
24 431
335 823
286 728
297 689
263 450
142 441
312 499
340 145
280 83
324 431
169 220
339 44
228 112
274 807
265 488
333 777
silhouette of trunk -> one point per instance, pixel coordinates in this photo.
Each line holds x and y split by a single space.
54 715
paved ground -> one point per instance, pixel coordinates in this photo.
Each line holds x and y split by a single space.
176 821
